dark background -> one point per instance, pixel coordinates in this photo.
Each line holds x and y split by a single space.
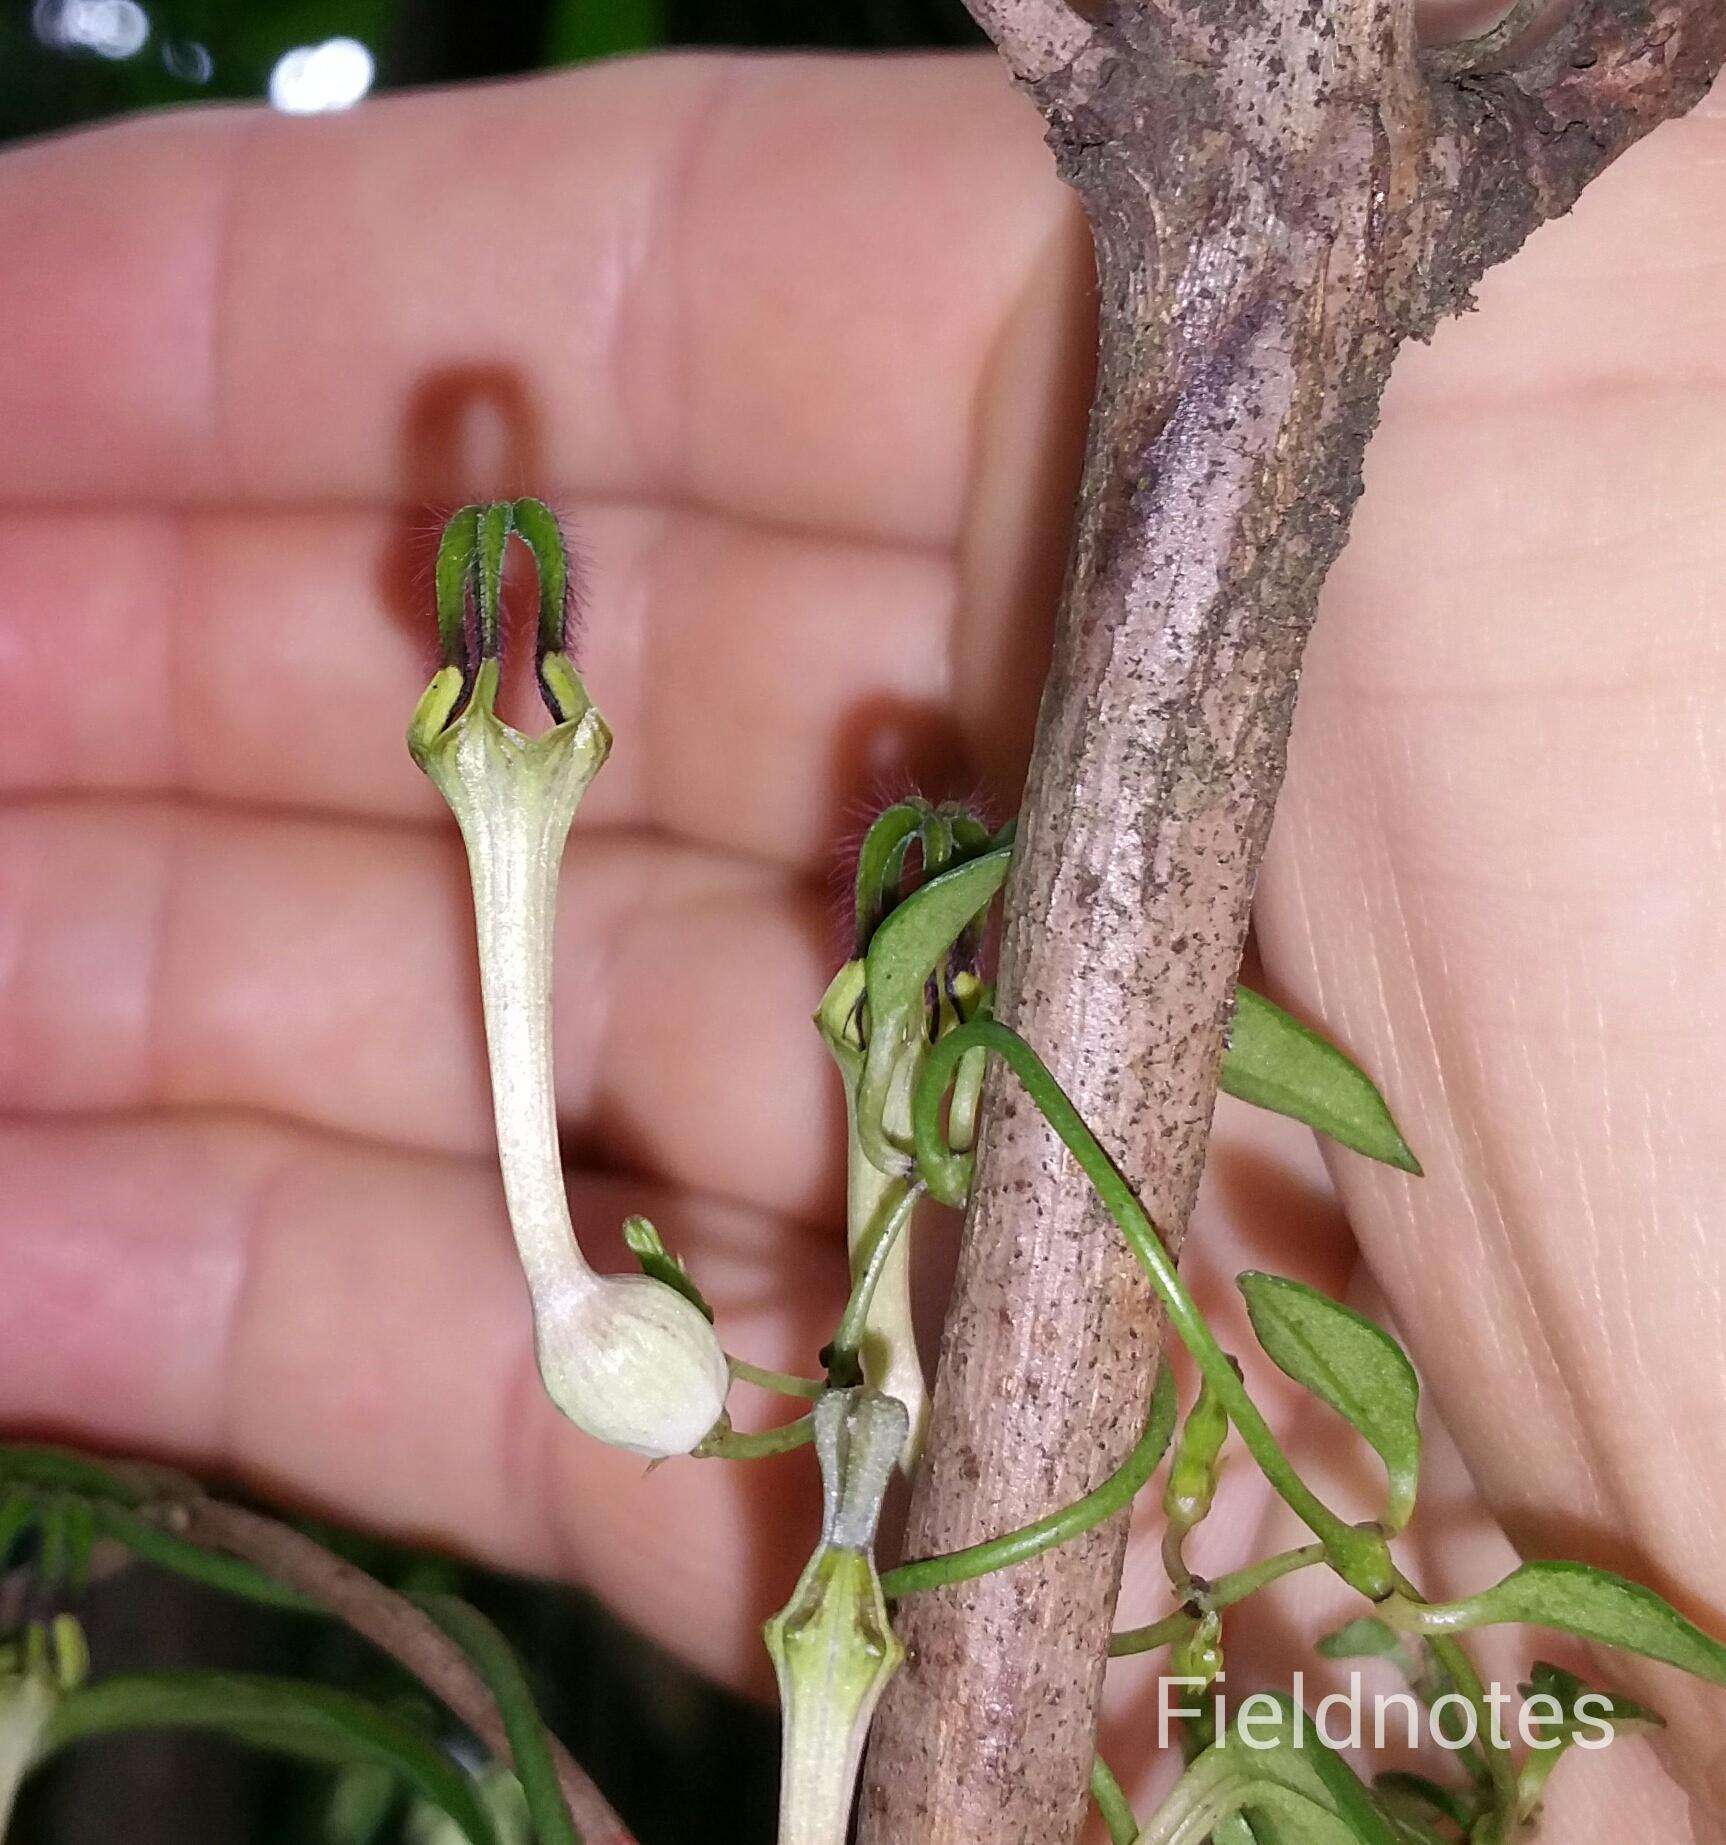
682 1761
227 48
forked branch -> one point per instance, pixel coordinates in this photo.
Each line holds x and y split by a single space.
1515 147
1279 196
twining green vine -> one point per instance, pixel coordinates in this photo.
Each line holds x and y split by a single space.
636 1361
1114 1495
1359 1556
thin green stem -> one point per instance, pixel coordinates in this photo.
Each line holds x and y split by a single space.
157 1544
733 1446
1181 1580
529 1744
1453 1656
1112 1803
783 1382
1359 1556
1224 1592
1408 1611
867 1263
1114 1495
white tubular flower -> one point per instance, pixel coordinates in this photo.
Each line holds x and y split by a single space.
625 1357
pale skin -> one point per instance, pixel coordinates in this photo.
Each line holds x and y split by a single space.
800 350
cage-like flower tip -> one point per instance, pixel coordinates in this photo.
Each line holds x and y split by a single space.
633 1363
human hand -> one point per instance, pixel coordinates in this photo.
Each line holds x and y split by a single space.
800 347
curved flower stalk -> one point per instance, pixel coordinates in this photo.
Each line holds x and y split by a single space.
877 1205
832 1644
625 1357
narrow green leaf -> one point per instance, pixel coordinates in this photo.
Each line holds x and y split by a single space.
1353 1365
1409 1826
1112 1804
49 1470
1280 1816
496 522
74 1523
16 1514
646 1245
1567 1691
314 1723
908 946
158 1545
1272 1767
504 1802
361 1802
1275 1062
939 842
1571 1712
529 1740
1591 1603
1348 1799
1413 1798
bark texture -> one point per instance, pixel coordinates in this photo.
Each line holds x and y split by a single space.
1279 195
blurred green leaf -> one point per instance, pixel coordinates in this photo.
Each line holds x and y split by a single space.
578 30
1351 1364
1415 1799
1275 1062
314 1723
361 1801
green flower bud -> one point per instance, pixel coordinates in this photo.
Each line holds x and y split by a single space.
832 1644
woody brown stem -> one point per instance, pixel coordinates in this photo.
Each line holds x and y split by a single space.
1278 196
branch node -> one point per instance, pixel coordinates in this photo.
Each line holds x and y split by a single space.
1487 50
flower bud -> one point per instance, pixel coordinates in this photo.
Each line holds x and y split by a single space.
832 1644
633 1363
